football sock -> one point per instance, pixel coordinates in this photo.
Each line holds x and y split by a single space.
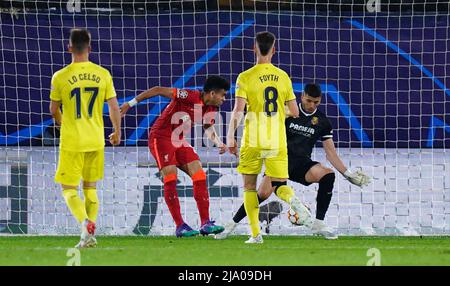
240 214
201 195
285 193
171 198
75 204
252 209
324 195
91 203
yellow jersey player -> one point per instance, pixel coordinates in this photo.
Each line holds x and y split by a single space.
82 88
265 90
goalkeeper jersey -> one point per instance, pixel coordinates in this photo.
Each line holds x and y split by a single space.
304 131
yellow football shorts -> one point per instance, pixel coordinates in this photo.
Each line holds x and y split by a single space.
251 160
73 166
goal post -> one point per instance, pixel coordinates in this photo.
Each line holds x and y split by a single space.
383 66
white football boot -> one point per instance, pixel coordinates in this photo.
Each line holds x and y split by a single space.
257 240
320 228
87 238
229 228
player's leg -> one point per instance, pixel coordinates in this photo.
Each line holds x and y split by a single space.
68 174
91 204
277 169
251 205
250 165
325 177
76 206
189 161
164 153
201 196
169 176
93 171
264 192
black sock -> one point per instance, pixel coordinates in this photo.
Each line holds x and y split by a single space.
241 214
324 195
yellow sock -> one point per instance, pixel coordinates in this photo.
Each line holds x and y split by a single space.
285 193
91 203
251 206
75 204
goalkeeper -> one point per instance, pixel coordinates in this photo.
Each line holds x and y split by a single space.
302 134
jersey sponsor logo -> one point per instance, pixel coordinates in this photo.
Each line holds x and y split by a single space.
181 93
314 120
302 128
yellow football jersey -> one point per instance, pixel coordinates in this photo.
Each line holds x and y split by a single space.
82 88
266 88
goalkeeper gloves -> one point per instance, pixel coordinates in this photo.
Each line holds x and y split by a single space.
357 178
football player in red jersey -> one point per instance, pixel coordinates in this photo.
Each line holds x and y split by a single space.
171 151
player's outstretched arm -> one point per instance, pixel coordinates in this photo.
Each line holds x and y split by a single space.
55 110
154 91
114 115
357 178
236 117
211 133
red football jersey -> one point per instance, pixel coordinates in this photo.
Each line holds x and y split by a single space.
185 109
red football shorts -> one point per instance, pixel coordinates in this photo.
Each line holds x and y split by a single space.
166 154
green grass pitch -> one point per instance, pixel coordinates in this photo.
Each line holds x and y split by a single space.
276 250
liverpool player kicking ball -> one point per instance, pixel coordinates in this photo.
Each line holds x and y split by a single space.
171 151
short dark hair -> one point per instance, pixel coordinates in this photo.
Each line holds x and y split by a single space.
265 41
313 90
215 82
80 39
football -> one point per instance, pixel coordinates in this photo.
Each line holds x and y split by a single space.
293 217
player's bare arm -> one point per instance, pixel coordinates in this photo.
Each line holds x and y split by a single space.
211 133
55 110
357 178
292 107
332 156
152 92
236 117
114 115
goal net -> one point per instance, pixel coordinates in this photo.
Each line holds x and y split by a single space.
383 65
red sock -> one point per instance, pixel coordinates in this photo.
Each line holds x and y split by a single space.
171 198
201 195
